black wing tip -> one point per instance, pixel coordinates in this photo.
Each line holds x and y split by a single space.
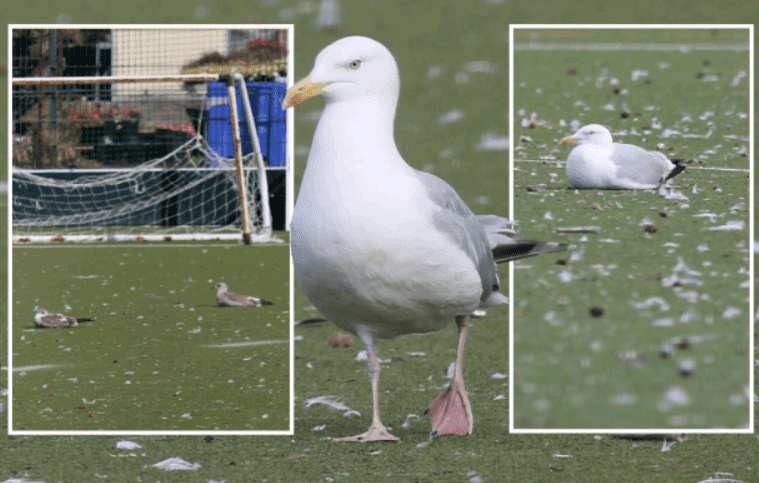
266 302
525 249
680 165
309 321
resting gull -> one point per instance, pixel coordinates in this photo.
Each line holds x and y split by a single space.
380 248
598 163
44 319
229 299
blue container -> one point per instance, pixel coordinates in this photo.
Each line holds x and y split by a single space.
266 103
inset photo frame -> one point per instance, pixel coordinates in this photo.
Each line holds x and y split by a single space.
633 143
150 281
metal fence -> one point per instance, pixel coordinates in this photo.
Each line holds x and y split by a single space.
78 125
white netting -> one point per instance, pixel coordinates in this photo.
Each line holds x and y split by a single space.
173 195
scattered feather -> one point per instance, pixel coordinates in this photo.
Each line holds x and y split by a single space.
730 225
331 401
124 444
173 464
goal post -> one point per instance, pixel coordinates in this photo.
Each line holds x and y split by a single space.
229 81
186 193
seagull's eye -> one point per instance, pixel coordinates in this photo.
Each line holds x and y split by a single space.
355 64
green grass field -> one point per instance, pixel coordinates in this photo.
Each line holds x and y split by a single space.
443 36
576 371
161 355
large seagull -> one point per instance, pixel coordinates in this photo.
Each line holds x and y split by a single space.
380 248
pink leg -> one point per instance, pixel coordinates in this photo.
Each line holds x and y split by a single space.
451 412
377 431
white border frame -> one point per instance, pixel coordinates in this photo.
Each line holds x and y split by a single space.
750 355
288 208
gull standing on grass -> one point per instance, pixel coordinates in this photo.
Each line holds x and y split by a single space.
380 248
229 299
598 163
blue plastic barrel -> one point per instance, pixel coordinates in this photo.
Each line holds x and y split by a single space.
270 119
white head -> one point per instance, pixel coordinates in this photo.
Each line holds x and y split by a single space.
40 311
590 134
221 286
348 69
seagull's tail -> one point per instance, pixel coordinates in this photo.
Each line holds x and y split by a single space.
680 165
265 302
518 247
85 319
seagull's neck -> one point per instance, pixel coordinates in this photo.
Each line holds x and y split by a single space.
365 130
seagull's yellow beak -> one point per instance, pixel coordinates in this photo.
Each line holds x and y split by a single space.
302 91
568 140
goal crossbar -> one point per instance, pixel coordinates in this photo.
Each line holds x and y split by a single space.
28 81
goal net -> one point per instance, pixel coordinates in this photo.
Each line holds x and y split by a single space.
176 197
145 153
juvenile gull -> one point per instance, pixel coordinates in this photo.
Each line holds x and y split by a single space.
229 299
380 248
598 163
44 319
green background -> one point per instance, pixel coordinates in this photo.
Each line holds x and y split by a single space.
446 35
574 370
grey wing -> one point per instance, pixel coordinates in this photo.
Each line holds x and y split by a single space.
498 229
42 321
224 300
239 299
464 229
54 321
639 165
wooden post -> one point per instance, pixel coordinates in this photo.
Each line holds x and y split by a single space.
246 231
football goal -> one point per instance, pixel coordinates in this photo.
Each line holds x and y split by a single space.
147 156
